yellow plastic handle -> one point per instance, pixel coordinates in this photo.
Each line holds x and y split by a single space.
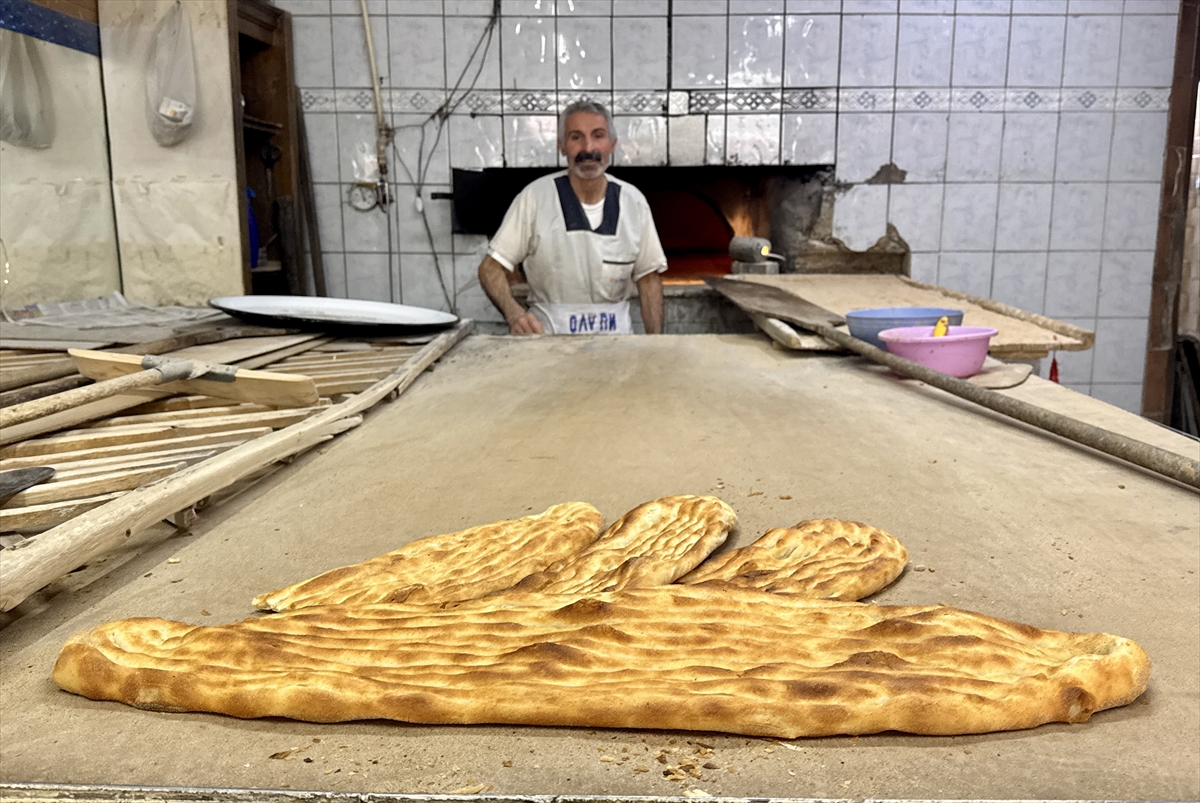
942 327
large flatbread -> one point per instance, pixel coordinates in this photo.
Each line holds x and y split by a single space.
653 544
455 566
818 558
680 657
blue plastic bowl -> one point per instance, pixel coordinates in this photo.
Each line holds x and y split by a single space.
866 324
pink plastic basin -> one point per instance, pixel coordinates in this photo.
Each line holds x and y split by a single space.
959 353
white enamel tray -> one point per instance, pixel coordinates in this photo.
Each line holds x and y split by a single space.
333 311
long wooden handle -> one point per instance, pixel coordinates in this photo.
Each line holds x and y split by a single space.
20 413
1169 464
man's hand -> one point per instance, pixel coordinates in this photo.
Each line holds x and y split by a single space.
493 277
526 324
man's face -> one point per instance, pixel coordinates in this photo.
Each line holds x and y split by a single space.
587 144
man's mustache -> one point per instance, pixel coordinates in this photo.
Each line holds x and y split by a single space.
588 156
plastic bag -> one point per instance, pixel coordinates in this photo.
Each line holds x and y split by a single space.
26 108
171 79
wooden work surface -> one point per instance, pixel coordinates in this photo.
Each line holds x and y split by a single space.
1003 519
1020 334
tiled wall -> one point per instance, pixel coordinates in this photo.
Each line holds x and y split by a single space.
1031 132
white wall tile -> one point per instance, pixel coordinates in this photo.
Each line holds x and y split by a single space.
435 161
1152 7
813 50
1035 51
1072 281
864 145
813 6
755 51
469 30
531 140
809 139
313 48
1029 146
1125 280
966 272
417 7
868 50
322 146
923 50
420 283
353 8
528 52
752 139
1058 7
584 54
923 267
328 200
926 6
919 145
1138 144
1075 367
1019 279
1147 50
350 68
714 140
1092 51
1084 141
860 216
1127 396
980 50
1120 350
686 140
334 264
476 142
299 8
1095 6
1023 217
417 56
642 48
584 8
969 217
469 296
983 6
1131 217
698 51
641 141
353 131
683 7
368 277
869 6
1077 217
973 148
409 234
364 231
640 8
916 212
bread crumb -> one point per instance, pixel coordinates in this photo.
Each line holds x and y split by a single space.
506 763
472 790
641 769
172 560
608 759
708 765
785 497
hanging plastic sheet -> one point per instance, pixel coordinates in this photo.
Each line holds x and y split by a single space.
26 108
171 79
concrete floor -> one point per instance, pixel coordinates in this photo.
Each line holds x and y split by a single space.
1009 521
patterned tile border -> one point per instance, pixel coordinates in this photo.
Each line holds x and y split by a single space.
866 99
1041 99
1144 100
1075 99
642 102
923 99
317 100
531 102
706 101
810 100
481 101
977 99
753 101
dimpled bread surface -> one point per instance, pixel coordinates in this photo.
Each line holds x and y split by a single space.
654 544
441 568
818 559
674 657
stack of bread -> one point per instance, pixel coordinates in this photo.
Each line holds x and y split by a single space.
545 620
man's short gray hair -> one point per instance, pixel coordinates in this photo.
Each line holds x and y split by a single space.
588 106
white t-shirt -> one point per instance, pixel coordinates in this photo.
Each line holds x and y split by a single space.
575 254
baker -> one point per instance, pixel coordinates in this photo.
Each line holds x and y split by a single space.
585 239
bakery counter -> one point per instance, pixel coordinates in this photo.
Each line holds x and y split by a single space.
997 518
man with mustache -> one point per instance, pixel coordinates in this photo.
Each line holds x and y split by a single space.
585 239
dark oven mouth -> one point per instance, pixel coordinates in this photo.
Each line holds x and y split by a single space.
697 210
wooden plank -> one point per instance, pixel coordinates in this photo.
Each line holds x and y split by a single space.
57 552
179 415
133 448
272 357
132 463
69 418
336 386
51 514
151 457
262 387
387 364
178 403
1019 331
83 487
40 390
232 352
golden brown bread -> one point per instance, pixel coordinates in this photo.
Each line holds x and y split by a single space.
681 657
455 566
651 545
818 558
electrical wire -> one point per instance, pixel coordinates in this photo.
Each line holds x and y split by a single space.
441 115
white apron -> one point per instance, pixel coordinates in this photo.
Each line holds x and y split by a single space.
584 319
